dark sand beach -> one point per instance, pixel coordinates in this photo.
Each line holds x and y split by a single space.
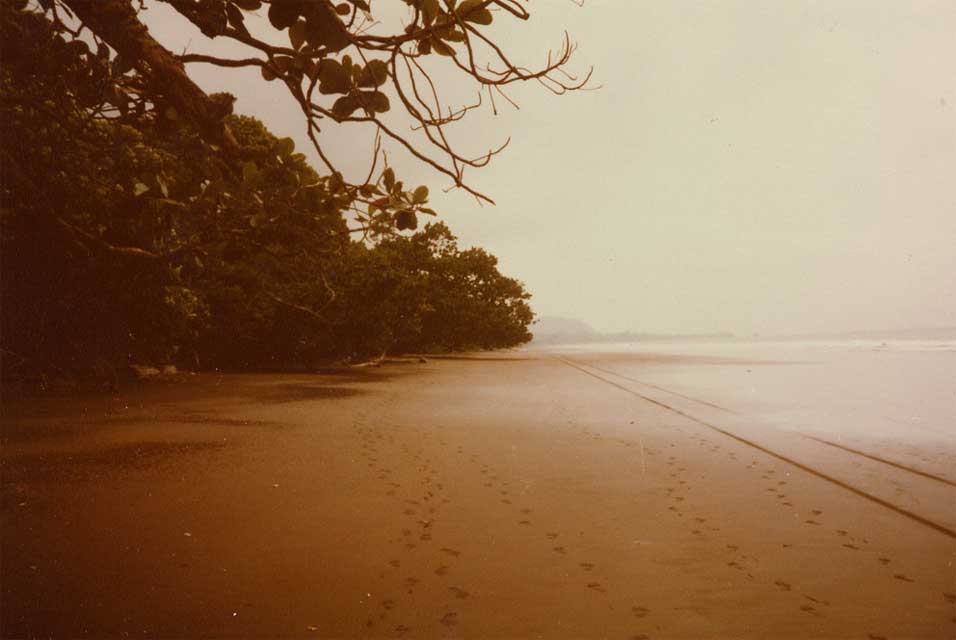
503 496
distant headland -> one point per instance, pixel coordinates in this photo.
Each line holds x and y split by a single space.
559 330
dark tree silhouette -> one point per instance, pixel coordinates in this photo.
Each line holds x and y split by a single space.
342 64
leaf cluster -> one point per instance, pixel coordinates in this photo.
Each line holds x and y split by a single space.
128 237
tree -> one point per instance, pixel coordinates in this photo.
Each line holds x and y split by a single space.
422 293
341 63
132 231
116 229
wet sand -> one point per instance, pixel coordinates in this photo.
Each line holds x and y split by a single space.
507 496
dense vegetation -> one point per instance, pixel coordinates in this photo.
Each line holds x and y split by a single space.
129 235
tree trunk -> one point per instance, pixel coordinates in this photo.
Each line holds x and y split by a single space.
116 22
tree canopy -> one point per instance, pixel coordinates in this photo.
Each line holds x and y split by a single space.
343 64
131 233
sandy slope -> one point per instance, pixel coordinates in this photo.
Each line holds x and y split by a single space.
499 497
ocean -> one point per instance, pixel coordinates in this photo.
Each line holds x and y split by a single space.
894 398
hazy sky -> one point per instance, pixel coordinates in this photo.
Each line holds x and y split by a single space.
745 166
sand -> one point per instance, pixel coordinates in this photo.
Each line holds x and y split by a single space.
501 496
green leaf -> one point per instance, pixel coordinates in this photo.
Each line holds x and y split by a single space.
441 48
451 34
286 146
372 101
472 11
406 219
139 189
389 177
325 28
121 65
374 74
267 74
430 212
345 106
283 13
343 9
235 18
420 196
430 10
334 78
297 34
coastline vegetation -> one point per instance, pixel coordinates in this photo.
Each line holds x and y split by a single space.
129 236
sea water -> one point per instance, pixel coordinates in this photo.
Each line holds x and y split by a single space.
895 398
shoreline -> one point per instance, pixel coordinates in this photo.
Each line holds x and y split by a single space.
500 495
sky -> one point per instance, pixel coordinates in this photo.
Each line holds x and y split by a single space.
773 167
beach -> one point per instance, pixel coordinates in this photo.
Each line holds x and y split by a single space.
522 494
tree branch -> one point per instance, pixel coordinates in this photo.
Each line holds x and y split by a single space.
116 22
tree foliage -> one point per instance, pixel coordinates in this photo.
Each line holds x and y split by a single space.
344 64
127 235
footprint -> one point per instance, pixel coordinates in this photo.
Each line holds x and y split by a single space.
451 552
450 619
587 566
900 576
461 594
596 586
551 535
388 605
850 546
441 571
525 522
640 612
560 550
395 564
783 585
816 512
401 630
884 560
